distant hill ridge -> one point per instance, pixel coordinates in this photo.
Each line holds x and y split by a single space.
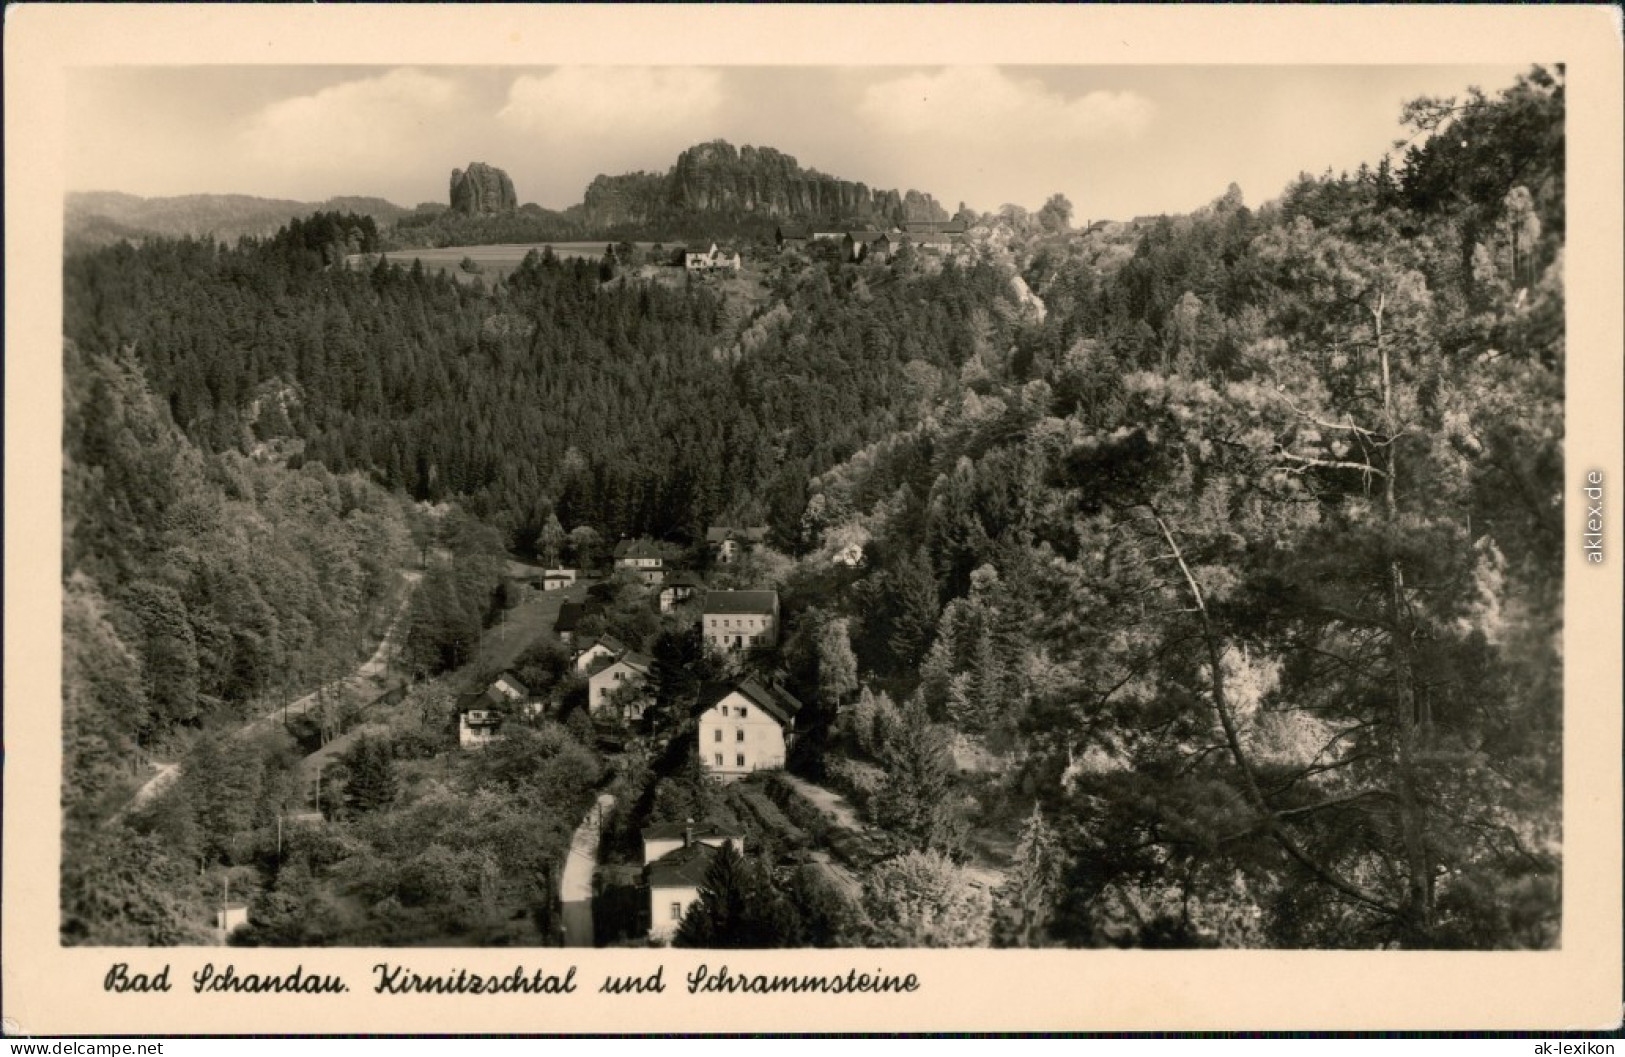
99 217
712 186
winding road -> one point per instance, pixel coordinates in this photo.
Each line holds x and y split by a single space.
575 885
371 669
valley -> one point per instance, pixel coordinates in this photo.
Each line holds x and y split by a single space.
747 557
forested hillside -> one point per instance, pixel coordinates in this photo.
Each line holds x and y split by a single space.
630 407
1246 566
1204 578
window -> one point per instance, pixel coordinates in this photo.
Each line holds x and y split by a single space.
719 759
718 735
740 759
739 735
677 911
743 712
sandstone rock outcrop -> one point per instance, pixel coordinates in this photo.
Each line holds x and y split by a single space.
717 178
482 190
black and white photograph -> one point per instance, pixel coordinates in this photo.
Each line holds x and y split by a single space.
737 507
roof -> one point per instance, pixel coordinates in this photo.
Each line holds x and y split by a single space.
683 868
478 702
864 236
514 680
640 662
638 549
609 642
669 830
571 614
774 700
943 227
793 231
684 579
763 602
719 533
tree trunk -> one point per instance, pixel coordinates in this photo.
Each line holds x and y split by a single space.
1418 902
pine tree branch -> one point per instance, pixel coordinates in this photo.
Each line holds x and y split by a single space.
1269 820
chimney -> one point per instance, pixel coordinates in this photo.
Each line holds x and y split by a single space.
688 832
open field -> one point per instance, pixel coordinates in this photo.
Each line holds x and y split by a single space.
495 262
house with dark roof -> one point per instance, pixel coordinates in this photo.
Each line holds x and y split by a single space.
478 727
790 236
858 245
676 857
729 541
643 558
674 882
746 726
741 620
571 614
605 647
679 588
630 669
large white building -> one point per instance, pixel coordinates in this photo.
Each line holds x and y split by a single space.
741 620
746 726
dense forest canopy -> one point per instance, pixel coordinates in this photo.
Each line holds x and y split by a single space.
1230 549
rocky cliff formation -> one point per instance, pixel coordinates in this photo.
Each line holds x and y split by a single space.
482 190
716 178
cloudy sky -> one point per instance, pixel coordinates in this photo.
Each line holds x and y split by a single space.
1119 141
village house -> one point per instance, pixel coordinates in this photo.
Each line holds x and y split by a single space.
557 579
827 233
478 727
746 726
741 620
858 245
676 857
792 236
605 647
710 258
508 687
729 542
630 669
674 882
571 614
642 558
680 587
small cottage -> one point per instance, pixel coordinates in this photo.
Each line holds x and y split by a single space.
631 669
557 579
679 588
606 647
478 727
643 558
728 542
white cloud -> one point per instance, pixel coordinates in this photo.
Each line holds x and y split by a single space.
623 102
996 105
357 126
